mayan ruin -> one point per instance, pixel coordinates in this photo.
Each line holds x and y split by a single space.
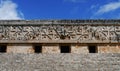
60 36
60 45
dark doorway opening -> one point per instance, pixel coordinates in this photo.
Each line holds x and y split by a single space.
92 49
38 49
65 49
3 49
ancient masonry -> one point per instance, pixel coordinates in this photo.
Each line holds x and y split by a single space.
60 45
60 36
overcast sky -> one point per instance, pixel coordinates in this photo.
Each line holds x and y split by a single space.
59 9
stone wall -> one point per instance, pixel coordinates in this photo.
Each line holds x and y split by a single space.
60 62
21 36
109 49
19 39
56 48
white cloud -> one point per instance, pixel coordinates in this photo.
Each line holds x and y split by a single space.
108 7
8 11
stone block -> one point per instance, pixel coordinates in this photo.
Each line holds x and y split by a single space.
50 49
79 49
109 49
20 48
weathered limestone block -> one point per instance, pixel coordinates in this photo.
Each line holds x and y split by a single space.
50 49
109 49
20 48
79 49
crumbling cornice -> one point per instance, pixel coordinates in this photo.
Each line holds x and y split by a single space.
65 22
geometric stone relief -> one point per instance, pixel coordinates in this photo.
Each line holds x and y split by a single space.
59 31
73 33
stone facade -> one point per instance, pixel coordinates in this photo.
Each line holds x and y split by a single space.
82 36
59 45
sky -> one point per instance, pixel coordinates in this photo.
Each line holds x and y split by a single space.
59 9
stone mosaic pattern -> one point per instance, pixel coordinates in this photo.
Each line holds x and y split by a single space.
60 62
55 31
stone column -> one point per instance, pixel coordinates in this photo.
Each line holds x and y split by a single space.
20 48
109 49
79 49
50 49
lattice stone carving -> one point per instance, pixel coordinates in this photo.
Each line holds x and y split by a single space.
60 33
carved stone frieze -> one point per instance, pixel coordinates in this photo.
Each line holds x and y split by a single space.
58 33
